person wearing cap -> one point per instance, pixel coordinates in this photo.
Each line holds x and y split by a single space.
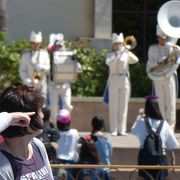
35 64
67 152
60 89
119 84
165 87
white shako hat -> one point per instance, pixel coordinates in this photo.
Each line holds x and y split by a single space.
35 37
117 38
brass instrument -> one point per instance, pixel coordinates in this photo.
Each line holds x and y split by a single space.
36 77
130 42
168 18
167 63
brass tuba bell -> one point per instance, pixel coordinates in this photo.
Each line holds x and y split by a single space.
168 18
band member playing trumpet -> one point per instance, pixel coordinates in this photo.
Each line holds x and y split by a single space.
119 84
35 64
165 85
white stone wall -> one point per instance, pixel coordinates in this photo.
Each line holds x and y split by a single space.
73 18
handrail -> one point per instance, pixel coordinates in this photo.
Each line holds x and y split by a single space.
82 166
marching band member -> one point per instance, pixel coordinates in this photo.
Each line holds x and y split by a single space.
119 84
35 64
165 87
59 88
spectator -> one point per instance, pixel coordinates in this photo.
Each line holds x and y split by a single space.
22 153
49 137
67 152
88 155
50 132
169 142
103 142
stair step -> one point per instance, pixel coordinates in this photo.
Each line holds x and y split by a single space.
126 148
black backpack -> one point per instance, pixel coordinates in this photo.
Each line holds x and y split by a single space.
152 151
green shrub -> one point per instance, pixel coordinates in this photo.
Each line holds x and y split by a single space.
9 60
92 81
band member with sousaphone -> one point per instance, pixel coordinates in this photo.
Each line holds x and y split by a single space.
35 64
119 83
161 69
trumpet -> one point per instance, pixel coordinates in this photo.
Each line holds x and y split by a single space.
130 42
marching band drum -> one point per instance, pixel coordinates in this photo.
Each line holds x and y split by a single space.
65 68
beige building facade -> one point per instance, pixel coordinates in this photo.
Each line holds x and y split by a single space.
74 18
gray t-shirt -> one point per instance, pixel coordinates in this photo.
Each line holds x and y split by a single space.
36 168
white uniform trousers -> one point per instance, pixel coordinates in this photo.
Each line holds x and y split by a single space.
166 91
118 102
63 90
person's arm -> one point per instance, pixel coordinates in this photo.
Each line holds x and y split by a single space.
14 119
110 58
44 64
132 58
171 157
6 172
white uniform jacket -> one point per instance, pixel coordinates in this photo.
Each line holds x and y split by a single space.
34 61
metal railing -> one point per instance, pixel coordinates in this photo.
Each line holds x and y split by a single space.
115 172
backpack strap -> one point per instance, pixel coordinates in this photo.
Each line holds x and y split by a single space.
160 127
149 128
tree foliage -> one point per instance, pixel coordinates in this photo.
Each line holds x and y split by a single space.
9 60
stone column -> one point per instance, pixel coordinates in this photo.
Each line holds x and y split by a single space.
103 19
3 15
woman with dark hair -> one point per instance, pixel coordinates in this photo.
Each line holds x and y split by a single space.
88 155
22 155
152 116
103 143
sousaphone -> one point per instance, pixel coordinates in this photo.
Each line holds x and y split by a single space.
168 18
